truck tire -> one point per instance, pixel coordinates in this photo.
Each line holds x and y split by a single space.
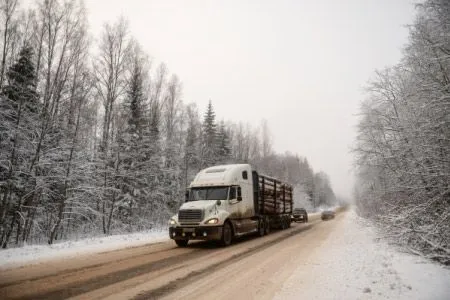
182 243
261 227
227 234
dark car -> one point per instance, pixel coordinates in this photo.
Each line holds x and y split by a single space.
327 214
299 215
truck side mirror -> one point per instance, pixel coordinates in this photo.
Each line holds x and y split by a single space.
186 196
239 194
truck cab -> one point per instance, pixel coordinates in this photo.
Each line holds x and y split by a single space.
217 195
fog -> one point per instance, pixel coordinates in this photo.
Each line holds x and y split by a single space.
301 65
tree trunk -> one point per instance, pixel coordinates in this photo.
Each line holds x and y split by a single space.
63 199
5 42
11 227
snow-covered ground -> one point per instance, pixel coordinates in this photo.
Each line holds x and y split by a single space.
353 263
16 257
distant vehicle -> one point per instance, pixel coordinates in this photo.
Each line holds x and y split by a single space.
228 201
300 215
327 214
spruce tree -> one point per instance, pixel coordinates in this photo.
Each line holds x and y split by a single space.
134 101
223 144
129 145
19 111
209 137
21 88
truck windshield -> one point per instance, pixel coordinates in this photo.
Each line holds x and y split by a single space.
209 193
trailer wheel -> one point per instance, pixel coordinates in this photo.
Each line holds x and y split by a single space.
283 223
182 243
227 234
267 226
261 227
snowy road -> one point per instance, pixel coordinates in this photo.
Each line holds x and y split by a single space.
321 260
157 270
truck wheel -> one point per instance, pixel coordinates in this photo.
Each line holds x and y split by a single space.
181 243
261 227
227 234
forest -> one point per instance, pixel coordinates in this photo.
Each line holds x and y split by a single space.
403 143
95 138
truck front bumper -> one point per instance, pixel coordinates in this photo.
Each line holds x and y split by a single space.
205 233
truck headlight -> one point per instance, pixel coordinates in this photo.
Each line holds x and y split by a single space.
212 221
172 222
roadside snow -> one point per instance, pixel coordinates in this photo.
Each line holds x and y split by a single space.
16 257
353 263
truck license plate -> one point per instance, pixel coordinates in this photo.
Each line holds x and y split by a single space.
188 229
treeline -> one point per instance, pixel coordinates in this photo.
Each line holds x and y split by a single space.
403 146
95 139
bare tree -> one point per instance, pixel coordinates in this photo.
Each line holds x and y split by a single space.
7 10
402 150
110 70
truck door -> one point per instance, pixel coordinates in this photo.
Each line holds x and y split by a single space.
255 187
246 206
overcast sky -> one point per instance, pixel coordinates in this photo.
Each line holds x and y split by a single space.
300 64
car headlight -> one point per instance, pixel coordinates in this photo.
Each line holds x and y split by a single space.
212 221
172 222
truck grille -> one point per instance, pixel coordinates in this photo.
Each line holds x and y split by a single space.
190 216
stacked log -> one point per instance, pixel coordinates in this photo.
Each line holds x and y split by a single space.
275 197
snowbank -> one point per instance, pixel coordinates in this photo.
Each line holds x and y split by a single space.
16 257
354 264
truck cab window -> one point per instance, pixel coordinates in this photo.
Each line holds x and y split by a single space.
208 193
244 175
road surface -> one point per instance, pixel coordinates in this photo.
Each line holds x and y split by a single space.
252 268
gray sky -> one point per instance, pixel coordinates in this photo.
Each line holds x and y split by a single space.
299 64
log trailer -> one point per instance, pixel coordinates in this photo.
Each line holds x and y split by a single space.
228 201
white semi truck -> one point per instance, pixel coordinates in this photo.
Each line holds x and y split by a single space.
228 201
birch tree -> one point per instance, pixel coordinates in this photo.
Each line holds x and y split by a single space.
109 71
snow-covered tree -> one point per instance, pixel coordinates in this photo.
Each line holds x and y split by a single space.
110 70
19 113
172 172
223 144
132 139
8 11
209 137
192 159
404 139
